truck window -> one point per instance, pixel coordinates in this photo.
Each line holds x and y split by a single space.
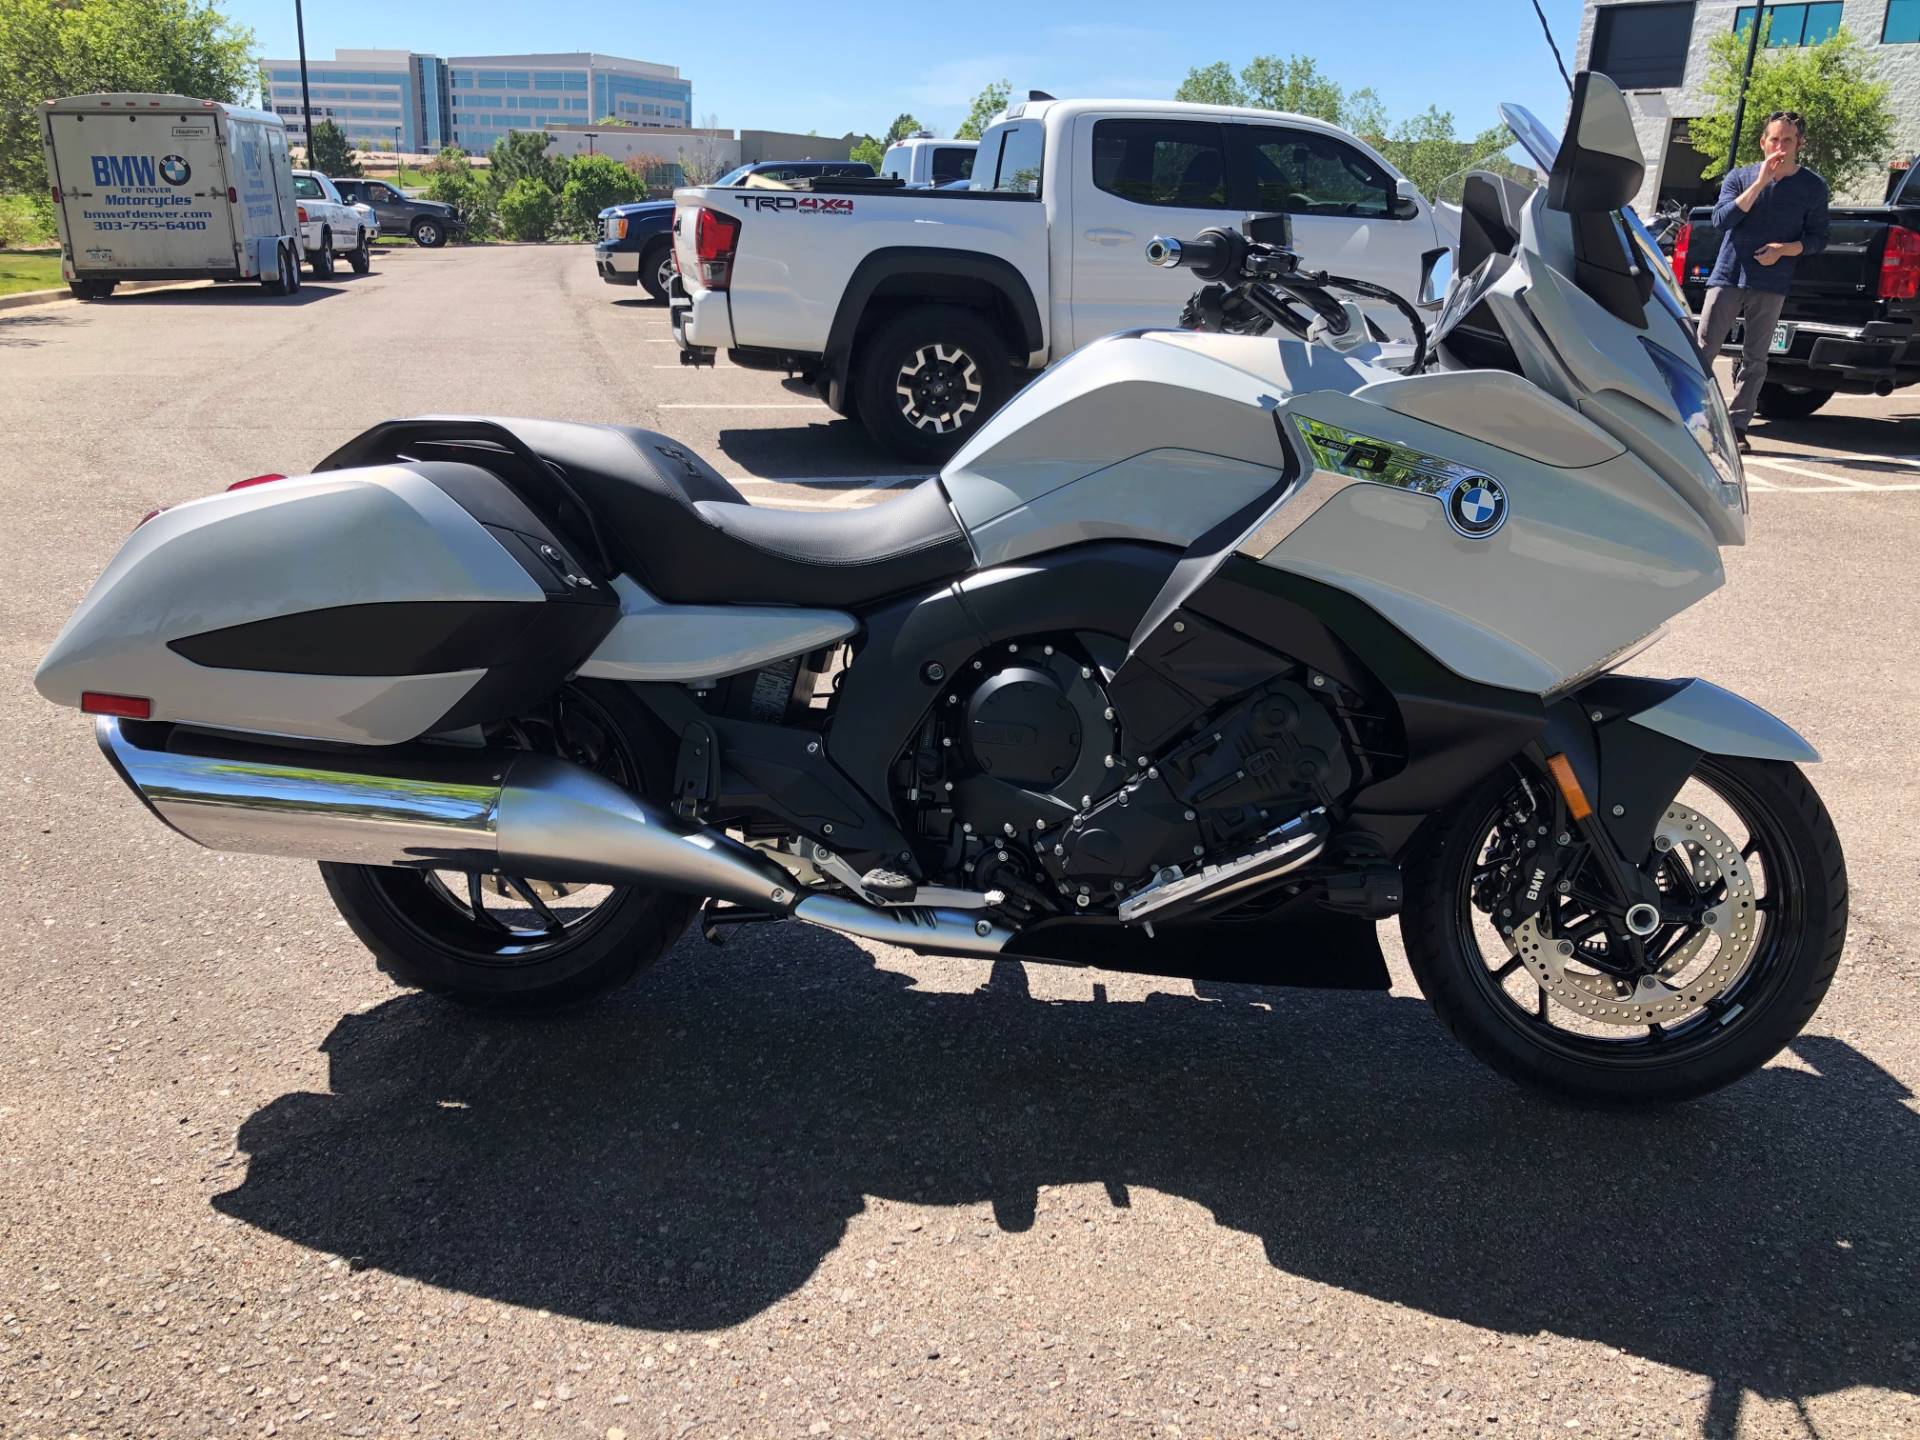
1304 172
1022 148
952 162
895 164
1161 162
307 188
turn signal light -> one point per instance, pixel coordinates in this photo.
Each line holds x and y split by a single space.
1561 769
715 238
253 480
126 707
233 196
620 228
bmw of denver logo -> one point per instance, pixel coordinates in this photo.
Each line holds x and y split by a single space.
175 170
1476 506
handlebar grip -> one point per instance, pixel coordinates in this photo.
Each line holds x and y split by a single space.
1202 253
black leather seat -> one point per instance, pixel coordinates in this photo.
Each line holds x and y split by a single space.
690 537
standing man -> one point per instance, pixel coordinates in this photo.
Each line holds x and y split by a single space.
1769 215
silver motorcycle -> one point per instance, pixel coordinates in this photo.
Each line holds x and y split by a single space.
1209 652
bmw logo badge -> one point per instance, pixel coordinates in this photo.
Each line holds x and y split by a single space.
1477 506
175 170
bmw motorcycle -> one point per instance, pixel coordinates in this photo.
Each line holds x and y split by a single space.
1207 654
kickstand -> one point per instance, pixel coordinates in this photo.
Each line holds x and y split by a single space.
717 919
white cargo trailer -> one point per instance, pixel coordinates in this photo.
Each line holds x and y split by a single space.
164 187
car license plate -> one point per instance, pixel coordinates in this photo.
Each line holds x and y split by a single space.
1782 340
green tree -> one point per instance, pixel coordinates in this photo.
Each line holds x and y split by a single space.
904 124
80 47
329 153
522 155
526 210
987 104
870 151
593 183
453 181
874 152
606 122
1849 122
1293 83
1211 85
1365 114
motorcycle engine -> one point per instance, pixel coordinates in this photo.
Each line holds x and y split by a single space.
1023 776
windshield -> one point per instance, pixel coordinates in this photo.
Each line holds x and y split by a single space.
735 175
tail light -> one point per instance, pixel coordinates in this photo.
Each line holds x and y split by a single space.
1900 266
1681 240
127 707
233 196
303 214
253 480
56 194
715 238
158 509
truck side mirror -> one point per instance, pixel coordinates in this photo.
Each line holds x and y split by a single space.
1406 198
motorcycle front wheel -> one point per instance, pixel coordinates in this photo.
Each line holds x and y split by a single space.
1576 1002
512 944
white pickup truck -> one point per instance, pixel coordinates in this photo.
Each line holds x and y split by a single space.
919 309
329 226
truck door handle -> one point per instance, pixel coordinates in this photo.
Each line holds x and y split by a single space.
1109 236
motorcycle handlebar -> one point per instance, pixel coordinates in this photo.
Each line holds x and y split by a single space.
1210 254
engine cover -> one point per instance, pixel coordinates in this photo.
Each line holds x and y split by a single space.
1022 728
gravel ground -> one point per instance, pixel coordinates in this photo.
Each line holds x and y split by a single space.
802 1187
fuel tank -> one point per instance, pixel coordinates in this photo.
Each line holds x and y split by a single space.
366 607
1155 435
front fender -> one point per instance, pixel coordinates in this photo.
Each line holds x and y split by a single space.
1703 716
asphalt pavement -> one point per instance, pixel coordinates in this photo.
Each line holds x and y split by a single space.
800 1187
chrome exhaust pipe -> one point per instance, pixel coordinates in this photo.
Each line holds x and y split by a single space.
529 815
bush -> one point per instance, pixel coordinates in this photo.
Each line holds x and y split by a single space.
593 183
452 180
527 210
25 221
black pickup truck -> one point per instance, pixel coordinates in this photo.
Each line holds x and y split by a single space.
1852 322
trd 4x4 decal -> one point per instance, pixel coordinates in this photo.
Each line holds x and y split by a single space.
813 204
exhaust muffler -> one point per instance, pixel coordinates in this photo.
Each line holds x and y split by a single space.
528 815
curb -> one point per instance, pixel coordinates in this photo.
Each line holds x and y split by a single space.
48 297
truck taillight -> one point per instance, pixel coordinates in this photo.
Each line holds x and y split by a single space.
1681 240
303 214
1900 266
715 238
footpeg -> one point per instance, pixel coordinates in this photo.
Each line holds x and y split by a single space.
889 887
1294 844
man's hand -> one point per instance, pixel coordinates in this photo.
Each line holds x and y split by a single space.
1770 170
1768 254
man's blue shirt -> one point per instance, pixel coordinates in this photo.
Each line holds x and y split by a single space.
1791 209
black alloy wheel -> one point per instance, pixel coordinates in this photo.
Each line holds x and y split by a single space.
1790 402
1601 1003
929 378
506 942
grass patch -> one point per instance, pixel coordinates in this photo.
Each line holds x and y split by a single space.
30 272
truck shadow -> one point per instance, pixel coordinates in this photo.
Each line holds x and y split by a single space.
686 1155
244 292
830 446
24 331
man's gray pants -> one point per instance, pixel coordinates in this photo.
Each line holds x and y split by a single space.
1726 305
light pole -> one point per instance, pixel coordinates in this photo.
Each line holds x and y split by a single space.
592 135
306 101
1740 105
396 150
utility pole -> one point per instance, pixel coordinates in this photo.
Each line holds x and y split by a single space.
1740 105
591 134
306 101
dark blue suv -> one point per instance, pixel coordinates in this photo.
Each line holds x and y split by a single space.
636 241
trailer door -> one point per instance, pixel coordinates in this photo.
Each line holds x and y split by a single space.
143 190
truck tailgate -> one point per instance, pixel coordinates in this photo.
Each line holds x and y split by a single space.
145 191
798 250
1839 285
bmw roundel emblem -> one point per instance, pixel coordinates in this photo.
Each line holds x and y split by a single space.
1477 506
175 170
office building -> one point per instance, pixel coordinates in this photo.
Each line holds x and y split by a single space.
418 103
1657 51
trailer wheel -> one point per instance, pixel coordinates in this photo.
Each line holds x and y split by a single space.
322 259
285 279
91 289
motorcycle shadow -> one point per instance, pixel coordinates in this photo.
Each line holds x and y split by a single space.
686 1155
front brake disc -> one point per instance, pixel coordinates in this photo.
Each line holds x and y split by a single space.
1709 856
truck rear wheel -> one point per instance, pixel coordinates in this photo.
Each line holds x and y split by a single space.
91 289
322 259
1790 402
362 257
929 378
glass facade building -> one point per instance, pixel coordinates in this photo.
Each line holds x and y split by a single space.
423 102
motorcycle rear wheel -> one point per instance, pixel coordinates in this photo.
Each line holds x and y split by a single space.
1757 1003
506 943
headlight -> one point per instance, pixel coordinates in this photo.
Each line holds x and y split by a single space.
1704 412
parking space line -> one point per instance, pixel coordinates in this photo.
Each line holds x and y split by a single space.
817 405
1804 472
1851 459
1903 487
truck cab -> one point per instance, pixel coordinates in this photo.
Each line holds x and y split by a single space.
922 160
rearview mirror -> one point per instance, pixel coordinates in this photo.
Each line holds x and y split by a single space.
1436 274
1599 166
1406 198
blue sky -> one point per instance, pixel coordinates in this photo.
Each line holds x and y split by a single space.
854 66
